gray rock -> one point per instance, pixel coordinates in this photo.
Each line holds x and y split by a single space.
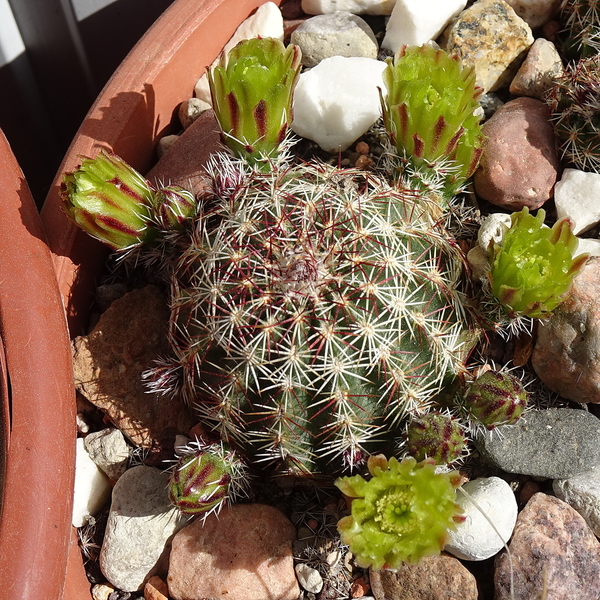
335 34
140 525
491 38
535 12
551 541
109 450
582 492
555 443
190 110
565 356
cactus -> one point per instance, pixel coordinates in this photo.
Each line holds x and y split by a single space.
206 477
574 102
401 514
436 436
495 398
430 114
115 204
581 33
313 309
533 267
252 89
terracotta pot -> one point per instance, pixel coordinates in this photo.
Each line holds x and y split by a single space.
135 108
38 401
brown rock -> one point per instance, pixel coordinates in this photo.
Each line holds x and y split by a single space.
108 367
244 554
566 352
156 589
552 541
440 577
184 163
520 164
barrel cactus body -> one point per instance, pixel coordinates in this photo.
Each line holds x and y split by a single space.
315 308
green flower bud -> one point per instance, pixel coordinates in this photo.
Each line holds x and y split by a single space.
173 206
429 111
496 398
401 514
435 436
252 90
205 477
109 200
533 267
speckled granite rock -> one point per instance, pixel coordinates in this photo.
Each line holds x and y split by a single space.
555 443
550 541
565 356
440 577
492 38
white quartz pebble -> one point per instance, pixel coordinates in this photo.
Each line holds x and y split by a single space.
475 538
338 100
415 22
356 7
267 21
577 196
92 488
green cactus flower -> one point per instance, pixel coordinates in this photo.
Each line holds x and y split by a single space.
533 267
110 200
252 91
430 112
206 477
401 514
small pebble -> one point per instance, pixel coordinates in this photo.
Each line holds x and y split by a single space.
109 450
535 13
576 197
310 579
156 589
102 591
356 7
359 588
164 144
190 110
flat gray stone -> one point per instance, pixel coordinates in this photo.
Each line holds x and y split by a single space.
556 443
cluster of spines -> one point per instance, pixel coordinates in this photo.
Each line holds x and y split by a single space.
316 312
581 20
574 102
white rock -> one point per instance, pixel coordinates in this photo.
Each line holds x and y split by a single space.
589 246
475 538
582 492
310 579
338 100
356 7
165 143
267 21
479 261
92 488
414 22
577 196
140 524
493 229
109 451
